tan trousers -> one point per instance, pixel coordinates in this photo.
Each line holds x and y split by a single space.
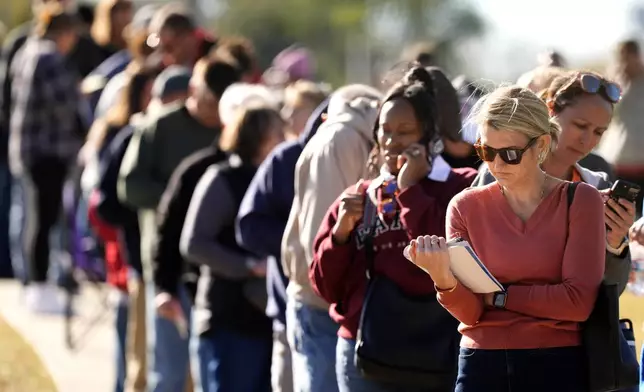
136 341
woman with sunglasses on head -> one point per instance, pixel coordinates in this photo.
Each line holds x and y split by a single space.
582 104
548 256
408 198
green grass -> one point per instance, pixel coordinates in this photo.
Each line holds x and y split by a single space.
21 370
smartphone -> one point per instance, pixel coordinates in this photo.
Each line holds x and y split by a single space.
625 190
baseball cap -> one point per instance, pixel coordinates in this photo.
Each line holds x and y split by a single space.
293 63
174 79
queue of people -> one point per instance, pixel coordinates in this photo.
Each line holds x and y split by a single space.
253 225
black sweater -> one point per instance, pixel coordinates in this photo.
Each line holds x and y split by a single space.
169 266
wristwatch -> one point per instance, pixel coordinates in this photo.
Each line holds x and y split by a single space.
619 251
499 299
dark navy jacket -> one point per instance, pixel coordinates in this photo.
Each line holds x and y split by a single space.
109 68
264 211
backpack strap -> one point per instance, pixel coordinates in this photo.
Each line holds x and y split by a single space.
572 187
369 223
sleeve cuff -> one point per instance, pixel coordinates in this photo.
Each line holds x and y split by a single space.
413 196
514 298
620 250
336 251
451 296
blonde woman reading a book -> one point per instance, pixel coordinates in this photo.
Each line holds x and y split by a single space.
548 256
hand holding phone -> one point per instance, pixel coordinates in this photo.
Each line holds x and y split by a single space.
620 211
624 190
414 165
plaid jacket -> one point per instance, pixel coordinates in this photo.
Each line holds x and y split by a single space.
45 106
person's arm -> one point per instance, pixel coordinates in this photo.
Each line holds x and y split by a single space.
335 167
110 209
582 266
259 227
618 270
212 207
290 239
416 209
170 219
618 267
110 95
12 44
138 186
332 260
460 301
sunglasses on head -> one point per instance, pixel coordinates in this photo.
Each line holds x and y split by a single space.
510 155
592 84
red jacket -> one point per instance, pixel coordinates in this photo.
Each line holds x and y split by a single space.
338 271
117 271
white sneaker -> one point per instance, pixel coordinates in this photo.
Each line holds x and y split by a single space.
44 298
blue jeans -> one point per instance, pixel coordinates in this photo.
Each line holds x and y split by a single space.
168 352
349 377
312 335
122 310
642 370
229 361
561 369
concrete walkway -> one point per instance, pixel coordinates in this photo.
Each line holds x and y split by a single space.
91 366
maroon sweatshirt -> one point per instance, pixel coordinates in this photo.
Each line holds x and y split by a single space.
338 271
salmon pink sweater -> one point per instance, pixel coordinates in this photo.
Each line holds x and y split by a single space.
553 264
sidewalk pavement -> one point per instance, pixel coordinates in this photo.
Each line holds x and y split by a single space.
91 366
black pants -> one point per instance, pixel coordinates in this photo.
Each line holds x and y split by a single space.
560 369
43 188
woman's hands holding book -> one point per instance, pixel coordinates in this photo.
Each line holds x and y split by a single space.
429 252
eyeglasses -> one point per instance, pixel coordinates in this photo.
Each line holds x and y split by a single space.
594 85
511 156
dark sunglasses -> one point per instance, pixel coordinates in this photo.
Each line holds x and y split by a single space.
594 85
511 156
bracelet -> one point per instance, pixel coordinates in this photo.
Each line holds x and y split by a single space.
619 250
439 290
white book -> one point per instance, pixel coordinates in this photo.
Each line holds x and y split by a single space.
468 268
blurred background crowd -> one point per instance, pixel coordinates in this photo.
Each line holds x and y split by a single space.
114 112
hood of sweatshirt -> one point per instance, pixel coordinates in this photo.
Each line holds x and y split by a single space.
356 111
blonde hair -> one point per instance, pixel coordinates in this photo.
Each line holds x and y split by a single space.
250 128
516 109
314 93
